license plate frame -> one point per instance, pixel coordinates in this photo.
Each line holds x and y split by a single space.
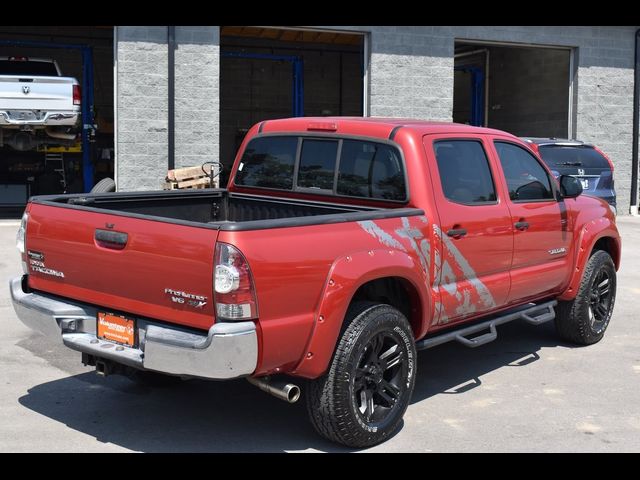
116 328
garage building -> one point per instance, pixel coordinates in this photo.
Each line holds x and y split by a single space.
86 54
184 95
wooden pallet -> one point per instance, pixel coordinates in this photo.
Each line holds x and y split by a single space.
190 177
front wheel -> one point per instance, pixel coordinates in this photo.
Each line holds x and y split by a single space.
361 400
585 319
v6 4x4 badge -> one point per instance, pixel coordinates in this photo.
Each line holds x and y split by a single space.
178 296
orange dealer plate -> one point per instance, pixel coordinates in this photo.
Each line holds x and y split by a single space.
116 328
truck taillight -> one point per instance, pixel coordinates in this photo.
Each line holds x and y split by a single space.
21 235
21 240
234 291
77 96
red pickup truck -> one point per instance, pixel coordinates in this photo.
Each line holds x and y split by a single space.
340 248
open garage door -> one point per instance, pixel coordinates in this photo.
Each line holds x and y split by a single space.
522 90
268 73
35 160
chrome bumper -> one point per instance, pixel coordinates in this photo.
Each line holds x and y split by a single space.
50 119
228 350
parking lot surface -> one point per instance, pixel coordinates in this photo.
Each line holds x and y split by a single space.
528 391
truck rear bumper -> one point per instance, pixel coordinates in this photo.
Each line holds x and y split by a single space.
228 350
47 119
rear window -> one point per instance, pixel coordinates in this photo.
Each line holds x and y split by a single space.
317 164
370 170
343 167
268 162
565 156
19 67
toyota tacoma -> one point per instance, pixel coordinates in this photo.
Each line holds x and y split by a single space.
340 248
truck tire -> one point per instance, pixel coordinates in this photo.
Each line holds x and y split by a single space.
361 400
585 319
105 185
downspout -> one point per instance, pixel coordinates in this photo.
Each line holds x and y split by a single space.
634 152
116 110
171 128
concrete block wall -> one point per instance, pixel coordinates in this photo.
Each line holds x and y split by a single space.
411 72
141 107
142 102
197 112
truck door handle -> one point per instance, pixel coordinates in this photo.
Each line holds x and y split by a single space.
457 232
111 239
521 225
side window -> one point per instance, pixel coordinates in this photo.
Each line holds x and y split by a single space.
268 162
526 179
317 164
464 171
370 170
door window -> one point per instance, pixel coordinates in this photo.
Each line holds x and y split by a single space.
526 179
464 172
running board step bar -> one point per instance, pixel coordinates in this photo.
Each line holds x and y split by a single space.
533 314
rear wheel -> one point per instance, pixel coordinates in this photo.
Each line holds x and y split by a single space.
361 400
585 319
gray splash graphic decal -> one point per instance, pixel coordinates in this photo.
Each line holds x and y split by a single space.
379 234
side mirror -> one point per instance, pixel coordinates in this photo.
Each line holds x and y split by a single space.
570 187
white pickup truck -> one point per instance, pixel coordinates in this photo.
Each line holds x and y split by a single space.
37 104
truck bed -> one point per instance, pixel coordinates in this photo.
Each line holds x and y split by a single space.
220 209
165 241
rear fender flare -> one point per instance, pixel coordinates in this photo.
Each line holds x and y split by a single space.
346 276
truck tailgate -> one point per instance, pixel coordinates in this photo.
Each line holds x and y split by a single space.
157 257
56 92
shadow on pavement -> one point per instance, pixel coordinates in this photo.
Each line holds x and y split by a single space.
191 416
233 416
455 369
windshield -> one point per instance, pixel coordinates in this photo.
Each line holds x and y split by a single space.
565 156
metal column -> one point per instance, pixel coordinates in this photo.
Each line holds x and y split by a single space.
477 93
87 117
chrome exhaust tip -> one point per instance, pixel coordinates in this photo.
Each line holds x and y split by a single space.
288 392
